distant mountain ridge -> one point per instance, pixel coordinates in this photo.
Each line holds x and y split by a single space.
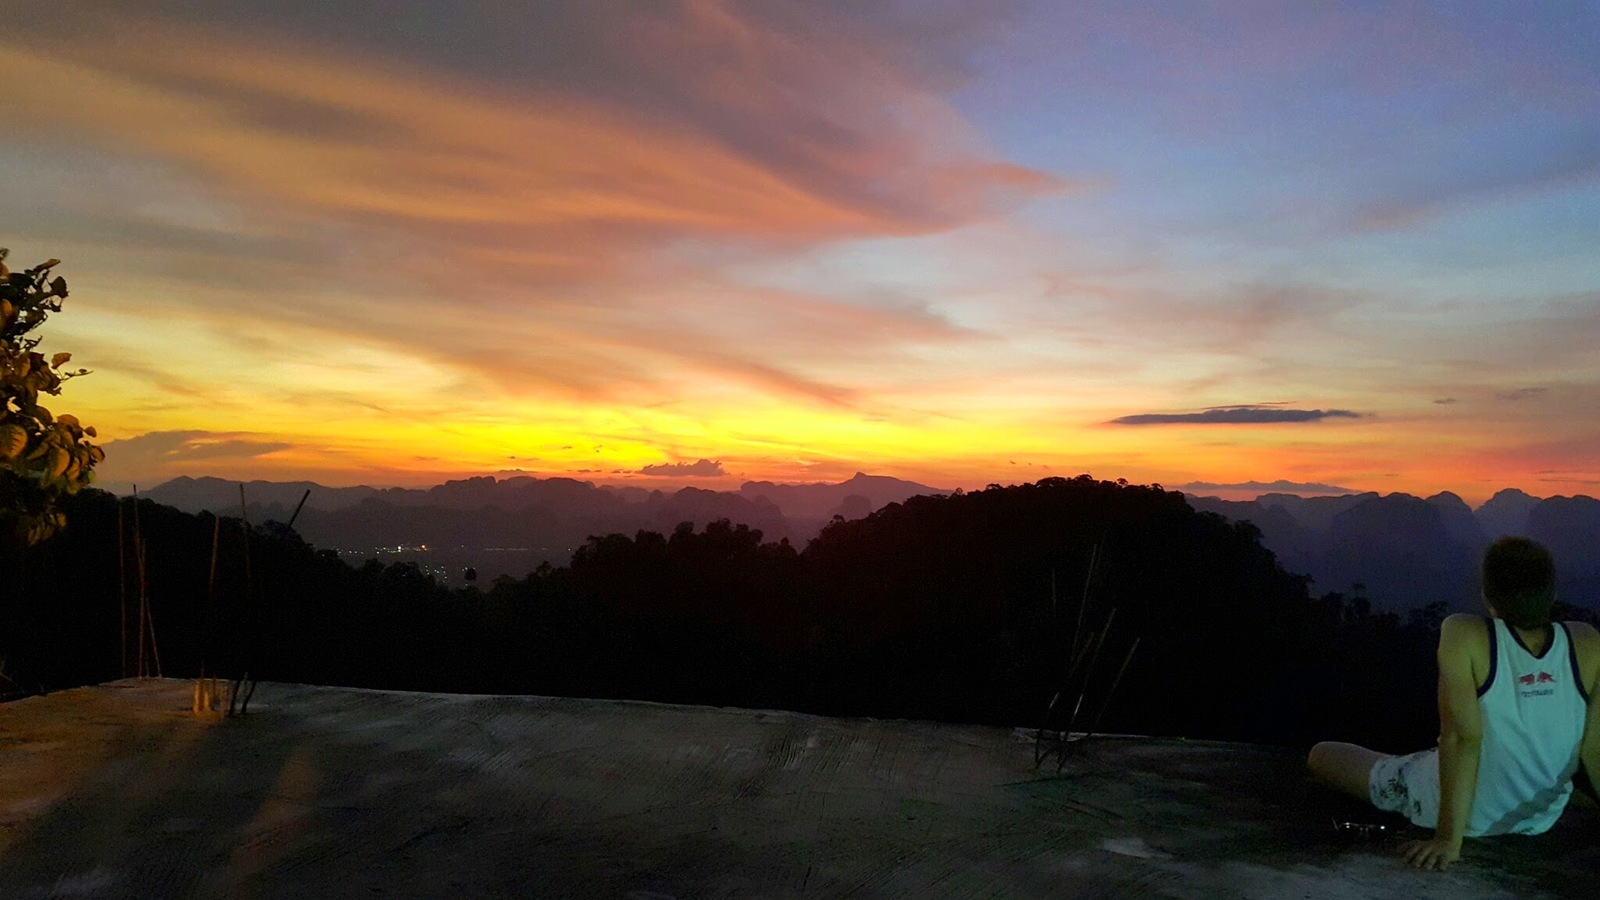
542 519
855 498
1405 551
1506 512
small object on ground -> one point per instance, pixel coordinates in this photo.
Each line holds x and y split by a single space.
1359 831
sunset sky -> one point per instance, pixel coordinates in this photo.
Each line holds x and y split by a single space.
1350 245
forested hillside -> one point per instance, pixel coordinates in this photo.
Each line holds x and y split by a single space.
960 608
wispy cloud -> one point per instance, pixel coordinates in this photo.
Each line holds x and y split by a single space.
1236 415
159 455
175 445
1263 317
1488 178
550 201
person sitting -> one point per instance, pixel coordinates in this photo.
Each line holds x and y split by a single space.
1519 712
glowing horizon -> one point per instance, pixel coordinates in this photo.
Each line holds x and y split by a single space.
988 242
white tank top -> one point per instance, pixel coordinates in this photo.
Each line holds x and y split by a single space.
1534 708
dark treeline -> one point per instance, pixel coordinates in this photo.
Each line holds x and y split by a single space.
959 608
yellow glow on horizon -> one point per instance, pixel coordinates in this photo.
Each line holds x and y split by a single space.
294 260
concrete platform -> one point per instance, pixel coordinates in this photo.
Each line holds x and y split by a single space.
118 791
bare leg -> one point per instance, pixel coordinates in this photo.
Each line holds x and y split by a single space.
1346 767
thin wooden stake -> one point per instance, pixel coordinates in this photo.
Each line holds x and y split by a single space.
149 614
1088 578
122 587
144 613
147 625
211 597
138 561
1089 672
246 639
1109 694
296 514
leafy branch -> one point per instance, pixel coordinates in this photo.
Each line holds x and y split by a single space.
43 456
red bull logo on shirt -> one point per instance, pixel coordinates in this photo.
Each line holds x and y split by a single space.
1531 679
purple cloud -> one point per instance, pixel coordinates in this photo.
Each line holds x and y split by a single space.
1236 415
704 468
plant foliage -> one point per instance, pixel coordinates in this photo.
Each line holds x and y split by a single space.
43 456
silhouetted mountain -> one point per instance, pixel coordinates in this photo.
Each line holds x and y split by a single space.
1315 513
1290 540
1399 547
855 506
222 497
1570 527
820 499
508 526
628 492
1407 552
541 520
1460 522
701 506
810 506
1506 513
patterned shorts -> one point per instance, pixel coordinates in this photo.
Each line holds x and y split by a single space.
1408 785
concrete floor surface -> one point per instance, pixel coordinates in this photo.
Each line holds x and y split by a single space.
119 791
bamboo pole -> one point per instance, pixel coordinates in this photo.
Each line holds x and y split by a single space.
1111 693
149 616
297 506
147 625
1094 658
211 596
246 637
1088 579
122 588
138 562
253 619
205 687
144 612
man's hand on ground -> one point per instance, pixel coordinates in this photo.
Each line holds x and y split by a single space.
1436 853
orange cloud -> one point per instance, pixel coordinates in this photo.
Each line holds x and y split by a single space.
377 144
410 193
352 252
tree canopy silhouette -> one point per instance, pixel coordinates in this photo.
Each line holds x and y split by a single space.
958 608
